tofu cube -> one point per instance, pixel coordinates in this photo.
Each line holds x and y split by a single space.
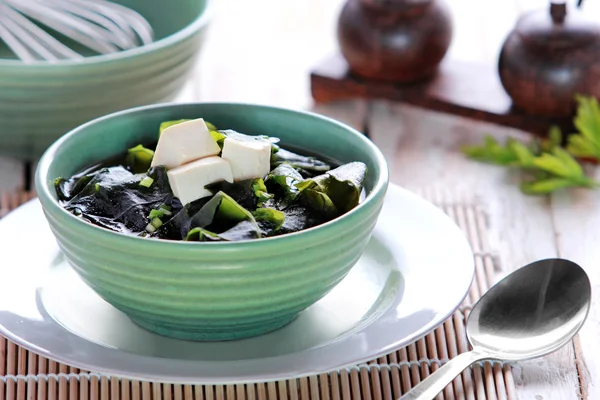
188 181
248 158
184 142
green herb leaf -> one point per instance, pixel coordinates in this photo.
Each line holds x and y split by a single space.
552 167
546 186
491 152
523 154
581 146
560 163
587 120
569 162
555 137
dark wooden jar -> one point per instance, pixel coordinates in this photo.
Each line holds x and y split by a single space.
549 57
394 40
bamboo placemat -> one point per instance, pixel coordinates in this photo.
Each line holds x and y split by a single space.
24 375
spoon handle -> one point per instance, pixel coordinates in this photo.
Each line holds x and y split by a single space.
437 381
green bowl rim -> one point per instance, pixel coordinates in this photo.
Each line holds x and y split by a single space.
178 36
48 200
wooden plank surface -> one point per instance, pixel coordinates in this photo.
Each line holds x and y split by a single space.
577 218
261 51
423 149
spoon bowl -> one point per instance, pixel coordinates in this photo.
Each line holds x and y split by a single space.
532 312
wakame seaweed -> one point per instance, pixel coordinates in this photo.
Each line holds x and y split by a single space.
306 165
337 191
282 181
113 198
249 193
126 195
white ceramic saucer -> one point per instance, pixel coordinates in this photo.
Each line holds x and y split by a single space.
416 270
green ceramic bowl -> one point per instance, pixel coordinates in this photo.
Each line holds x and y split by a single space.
171 25
62 95
222 290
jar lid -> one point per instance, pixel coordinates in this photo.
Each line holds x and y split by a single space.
562 27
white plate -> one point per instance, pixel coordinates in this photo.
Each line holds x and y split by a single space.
416 270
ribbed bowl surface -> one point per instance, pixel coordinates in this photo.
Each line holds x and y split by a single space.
41 101
212 291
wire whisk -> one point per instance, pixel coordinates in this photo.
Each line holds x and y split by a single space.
100 25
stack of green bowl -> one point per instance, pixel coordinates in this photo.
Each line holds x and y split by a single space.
39 102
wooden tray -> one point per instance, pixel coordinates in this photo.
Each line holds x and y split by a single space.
460 88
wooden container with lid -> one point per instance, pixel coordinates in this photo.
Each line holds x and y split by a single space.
394 40
549 57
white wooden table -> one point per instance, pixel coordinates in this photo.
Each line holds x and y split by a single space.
262 50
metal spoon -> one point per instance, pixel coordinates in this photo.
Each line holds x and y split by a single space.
532 312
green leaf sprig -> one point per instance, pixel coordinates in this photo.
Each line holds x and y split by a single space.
546 165
586 143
